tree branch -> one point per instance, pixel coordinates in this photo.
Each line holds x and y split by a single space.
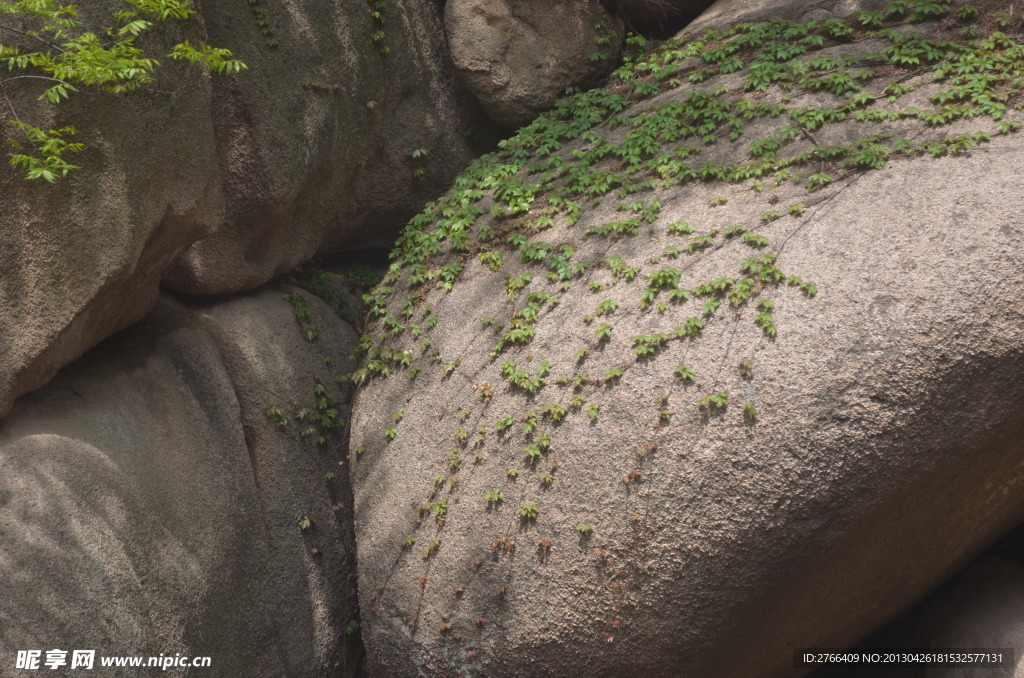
10 104
38 77
34 37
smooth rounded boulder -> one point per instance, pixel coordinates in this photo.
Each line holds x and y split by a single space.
686 376
152 496
518 57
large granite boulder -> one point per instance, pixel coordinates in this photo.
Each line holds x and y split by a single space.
519 56
340 129
148 504
738 371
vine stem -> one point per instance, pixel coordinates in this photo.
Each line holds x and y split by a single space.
38 77
10 104
34 37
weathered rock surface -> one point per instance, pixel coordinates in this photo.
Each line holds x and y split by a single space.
83 258
326 142
794 489
148 506
730 11
518 56
309 150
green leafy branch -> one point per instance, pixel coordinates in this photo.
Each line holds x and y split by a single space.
49 163
55 50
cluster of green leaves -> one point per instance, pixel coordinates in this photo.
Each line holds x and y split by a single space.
48 161
259 13
317 425
717 402
684 373
52 48
377 8
521 322
380 360
528 510
303 315
647 345
522 378
554 411
325 285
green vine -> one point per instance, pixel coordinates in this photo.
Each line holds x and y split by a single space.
377 8
259 13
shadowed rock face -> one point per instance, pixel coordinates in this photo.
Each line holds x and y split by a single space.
216 185
982 607
83 258
316 143
148 505
759 397
519 56
656 14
